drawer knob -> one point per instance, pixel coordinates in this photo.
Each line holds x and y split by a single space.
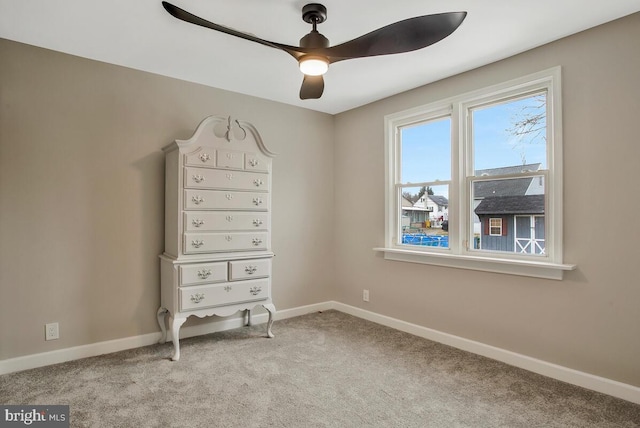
255 290
250 270
257 201
204 273
254 162
229 196
197 222
229 176
197 243
204 157
227 288
198 178
256 241
229 238
257 222
197 298
229 218
197 199
258 182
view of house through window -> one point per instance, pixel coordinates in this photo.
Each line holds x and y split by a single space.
509 154
508 151
475 180
425 174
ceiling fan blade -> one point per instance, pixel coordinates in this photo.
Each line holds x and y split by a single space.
312 87
183 15
403 36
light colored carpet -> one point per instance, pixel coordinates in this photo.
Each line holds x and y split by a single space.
321 370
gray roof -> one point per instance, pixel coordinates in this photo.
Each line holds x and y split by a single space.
509 169
529 204
439 200
509 187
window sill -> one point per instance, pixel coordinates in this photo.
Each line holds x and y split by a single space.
487 264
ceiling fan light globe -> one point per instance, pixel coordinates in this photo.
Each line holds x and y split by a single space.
314 66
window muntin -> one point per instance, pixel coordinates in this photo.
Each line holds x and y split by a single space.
464 230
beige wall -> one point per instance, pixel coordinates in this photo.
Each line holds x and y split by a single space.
590 321
81 181
81 195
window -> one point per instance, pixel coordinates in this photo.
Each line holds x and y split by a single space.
495 227
475 181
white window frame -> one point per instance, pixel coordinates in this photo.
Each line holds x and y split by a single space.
499 227
460 253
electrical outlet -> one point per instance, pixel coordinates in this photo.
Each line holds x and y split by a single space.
365 295
51 331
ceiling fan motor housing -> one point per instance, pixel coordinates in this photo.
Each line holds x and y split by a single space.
314 13
314 40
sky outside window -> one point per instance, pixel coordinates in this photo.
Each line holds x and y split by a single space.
426 152
495 142
426 148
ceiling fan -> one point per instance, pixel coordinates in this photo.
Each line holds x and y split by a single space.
314 54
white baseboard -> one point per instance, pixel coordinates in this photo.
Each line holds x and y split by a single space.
574 377
77 352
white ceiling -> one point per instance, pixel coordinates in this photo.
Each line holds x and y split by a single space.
139 34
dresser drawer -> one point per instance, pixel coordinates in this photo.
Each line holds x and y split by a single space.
195 243
229 159
253 162
203 273
247 269
206 296
201 178
203 221
202 156
225 200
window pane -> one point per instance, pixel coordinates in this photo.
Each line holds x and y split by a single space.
425 216
511 135
509 138
523 226
426 152
509 215
495 226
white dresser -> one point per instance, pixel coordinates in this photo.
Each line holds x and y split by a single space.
217 258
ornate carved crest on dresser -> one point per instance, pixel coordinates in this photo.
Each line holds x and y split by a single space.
217 258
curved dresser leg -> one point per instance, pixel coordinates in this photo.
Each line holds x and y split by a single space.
162 314
176 322
248 314
272 310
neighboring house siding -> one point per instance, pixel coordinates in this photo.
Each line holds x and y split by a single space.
509 208
504 198
437 207
536 187
499 243
513 187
